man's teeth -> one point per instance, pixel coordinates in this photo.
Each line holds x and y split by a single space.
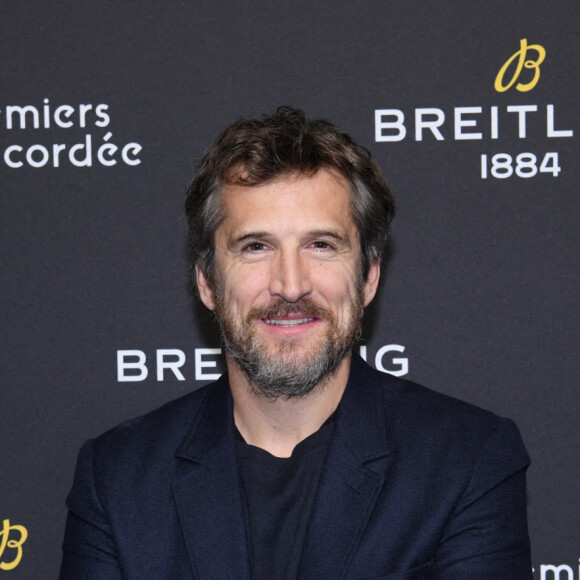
294 322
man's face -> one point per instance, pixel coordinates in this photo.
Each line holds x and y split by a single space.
288 294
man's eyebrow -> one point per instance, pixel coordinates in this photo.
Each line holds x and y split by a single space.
340 238
246 237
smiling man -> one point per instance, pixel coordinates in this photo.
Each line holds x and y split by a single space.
301 461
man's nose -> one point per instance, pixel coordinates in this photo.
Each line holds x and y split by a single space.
290 276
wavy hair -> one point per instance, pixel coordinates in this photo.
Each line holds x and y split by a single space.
255 151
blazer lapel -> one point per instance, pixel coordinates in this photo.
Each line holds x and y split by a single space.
207 492
351 481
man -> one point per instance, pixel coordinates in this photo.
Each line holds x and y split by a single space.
301 462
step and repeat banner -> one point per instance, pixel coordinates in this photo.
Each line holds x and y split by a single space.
471 109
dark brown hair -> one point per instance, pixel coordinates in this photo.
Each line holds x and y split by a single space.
255 151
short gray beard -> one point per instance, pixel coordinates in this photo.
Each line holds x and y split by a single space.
284 376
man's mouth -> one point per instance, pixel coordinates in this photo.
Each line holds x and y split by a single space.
286 322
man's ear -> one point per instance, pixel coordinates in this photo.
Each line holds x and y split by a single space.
372 282
204 289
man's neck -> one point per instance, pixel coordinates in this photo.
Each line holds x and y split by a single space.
278 425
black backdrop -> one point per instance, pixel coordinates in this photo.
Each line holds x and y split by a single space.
479 299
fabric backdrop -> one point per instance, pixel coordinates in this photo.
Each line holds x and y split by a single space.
105 109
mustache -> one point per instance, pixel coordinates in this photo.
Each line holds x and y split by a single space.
281 308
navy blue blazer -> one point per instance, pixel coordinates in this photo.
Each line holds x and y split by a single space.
416 485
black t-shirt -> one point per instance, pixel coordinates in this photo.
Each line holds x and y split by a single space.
278 497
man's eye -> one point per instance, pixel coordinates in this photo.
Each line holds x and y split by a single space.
255 247
321 246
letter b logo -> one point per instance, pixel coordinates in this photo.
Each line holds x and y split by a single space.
520 55
11 544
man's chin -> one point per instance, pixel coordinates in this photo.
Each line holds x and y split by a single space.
280 364
291 372
292 350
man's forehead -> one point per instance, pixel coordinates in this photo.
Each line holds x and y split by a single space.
322 197
327 181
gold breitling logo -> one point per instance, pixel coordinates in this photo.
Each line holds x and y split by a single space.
519 58
13 544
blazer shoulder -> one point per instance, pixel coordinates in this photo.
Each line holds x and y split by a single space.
162 429
427 418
